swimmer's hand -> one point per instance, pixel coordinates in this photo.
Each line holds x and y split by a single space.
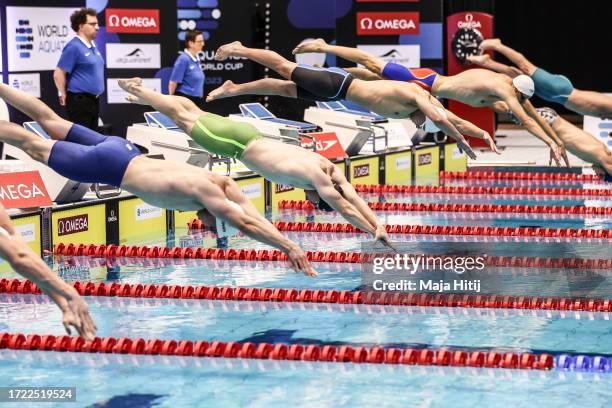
465 147
298 261
563 153
555 154
381 236
75 311
487 138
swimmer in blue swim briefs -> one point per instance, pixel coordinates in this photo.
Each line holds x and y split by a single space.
550 87
83 155
473 87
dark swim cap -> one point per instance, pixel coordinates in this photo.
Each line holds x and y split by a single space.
323 205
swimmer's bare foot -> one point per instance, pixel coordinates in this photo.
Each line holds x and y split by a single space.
224 91
227 50
490 44
135 100
128 84
317 45
478 59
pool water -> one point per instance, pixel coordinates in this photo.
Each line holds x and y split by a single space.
147 381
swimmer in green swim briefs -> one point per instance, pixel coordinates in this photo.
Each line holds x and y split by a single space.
324 184
552 88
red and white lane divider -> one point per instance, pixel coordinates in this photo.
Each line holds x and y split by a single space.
455 207
495 175
265 351
558 191
17 286
135 251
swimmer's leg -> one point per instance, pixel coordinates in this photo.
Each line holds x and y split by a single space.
267 86
166 104
33 107
590 103
37 148
371 62
514 56
267 58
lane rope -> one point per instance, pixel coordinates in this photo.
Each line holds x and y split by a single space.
137 290
513 175
582 192
295 352
455 207
136 251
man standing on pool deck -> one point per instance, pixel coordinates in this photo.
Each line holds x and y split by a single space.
325 186
387 98
83 155
25 262
551 88
474 87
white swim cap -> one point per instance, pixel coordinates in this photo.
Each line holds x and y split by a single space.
524 84
429 126
224 229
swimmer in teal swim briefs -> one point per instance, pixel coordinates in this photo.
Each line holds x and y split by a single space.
552 88
473 87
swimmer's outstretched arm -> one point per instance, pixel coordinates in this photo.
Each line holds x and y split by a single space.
325 188
532 126
29 265
485 61
514 56
469 129
546 128
423 100
371 62
350 195
251 223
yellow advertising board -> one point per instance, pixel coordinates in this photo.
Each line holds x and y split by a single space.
254 189
398 168
283 192
138 219
454 159
29 228
364 171
81 225
427 165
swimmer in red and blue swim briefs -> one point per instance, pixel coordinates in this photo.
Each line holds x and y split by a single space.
424 77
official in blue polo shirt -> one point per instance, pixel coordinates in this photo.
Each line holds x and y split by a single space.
187 77
79 75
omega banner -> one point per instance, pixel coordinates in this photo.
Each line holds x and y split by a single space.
23 190
464 29
36 36
403 32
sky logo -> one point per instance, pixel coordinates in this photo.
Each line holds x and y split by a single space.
24 38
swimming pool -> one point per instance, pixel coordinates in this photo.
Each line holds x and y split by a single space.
153 380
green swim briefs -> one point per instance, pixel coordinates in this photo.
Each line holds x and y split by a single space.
223 136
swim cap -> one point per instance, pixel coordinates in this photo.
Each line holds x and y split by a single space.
429 126
548 114
524 84
224 229
324 206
